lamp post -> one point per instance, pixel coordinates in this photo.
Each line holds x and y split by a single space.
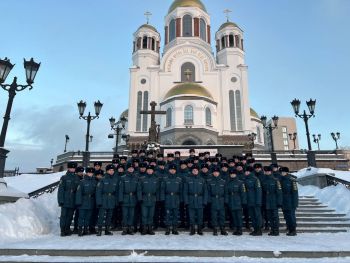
317 139
117 127
81 107
252 138
311 105
51 162
336 138
270 128
293 137
65 145
31 69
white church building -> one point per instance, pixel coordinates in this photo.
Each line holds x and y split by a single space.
205 94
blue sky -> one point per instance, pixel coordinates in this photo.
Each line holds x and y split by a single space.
298 48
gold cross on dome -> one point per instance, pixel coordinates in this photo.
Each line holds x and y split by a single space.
148 15
188 74
227 13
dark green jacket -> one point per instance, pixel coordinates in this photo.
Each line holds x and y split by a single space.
85 196
107 192
128 187
216 192
148 190
67 189
235 194
195 192
171 191
290 193
254 193
273 192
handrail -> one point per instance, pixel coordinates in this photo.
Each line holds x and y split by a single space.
47 189
332 180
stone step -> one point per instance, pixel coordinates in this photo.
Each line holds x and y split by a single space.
307 196
312 206
309 199
310 210
321 219
311 203
312 214
319 224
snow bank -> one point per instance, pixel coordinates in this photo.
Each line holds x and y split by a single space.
28 183
28 218
336 197
344 175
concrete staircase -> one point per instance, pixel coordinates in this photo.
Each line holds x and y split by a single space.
313 217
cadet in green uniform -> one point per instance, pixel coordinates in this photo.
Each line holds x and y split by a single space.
85 200
216 198
235 198
196 197
93 222
171 194
66 198
183 173
106 200
273 200
128 188
290 200
147 193
79 171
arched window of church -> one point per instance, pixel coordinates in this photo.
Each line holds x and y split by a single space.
203 30
144 42
138 109
258 134
239 111
237 41
188 72
188 114
208 117
172 30
153 44
223 42
242 46
187 26
168 117
231 40
145 108
232 110
138 45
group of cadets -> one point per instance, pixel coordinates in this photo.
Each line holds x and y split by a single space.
145 192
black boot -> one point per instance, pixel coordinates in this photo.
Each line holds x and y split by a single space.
63 233
192 230
150 230
92 230
86 231
75 231
200 231
68 232
130 231
80 231
167 232
125 231
144 230
238 232
223 231
99 231
292 232
215 231
107 232
257 232
175 232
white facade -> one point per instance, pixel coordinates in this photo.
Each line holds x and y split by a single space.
188 74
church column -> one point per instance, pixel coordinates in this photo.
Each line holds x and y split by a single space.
196 27
208 34
178 27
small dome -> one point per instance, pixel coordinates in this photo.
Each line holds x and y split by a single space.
254 114
149 27
186 3
228 24
188 89
125 114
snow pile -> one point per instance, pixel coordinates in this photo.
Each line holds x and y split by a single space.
28 218
336 197
28 183
8 191
344 175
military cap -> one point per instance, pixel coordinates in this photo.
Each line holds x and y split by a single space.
207 153
233 171
201 154
128 165
190 161
115 161
110 167
267 168
99 172
212 159
72 165
216 169
230 160
183 162
115 156
161 163
124 158
284 170
257 165
143 165
223 158
177 153
196 158
218 155
98 163
150 167
239 164
135 160
274 165
235 157
224 165
152 160
249 169
215 160
249 161
195 166
79 169
134 151
172 166
170 155
90 170
206 160
121 166
142 151
248 155
150 153
204 165
192 150
160 155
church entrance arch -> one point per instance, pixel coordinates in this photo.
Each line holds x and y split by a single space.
189 142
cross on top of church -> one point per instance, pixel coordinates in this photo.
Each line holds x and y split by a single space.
188 74
227 13
148 15
153 131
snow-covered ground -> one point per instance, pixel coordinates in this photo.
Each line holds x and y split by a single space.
344 175
28 183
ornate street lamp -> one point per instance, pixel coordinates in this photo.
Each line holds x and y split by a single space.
270 128
317 139
293 137
65 145
117 127
81 107
252 138
336 138
311 104
31 69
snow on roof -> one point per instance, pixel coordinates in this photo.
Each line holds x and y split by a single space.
28 183
344 175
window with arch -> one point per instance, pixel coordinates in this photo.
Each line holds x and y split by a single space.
153 44
203 29
188 72
145 108
144 42
231 41
208 117
239 111
232 110
172 30
188 114
168 117
223 42
138 109
187 26
237 41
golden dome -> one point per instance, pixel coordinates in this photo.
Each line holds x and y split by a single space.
188 88
187 3
254 114
149 27
228 23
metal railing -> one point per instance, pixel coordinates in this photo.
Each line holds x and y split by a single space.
47 189
332 180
